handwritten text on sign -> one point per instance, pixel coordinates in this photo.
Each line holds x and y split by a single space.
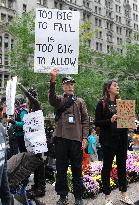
56 40
126 113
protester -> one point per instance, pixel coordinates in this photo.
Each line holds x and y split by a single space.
38 188
70 134
5 195
92 143
12 140
113 140
20 111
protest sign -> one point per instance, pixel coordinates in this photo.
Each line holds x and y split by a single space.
126 114
10 95
56 40
35 138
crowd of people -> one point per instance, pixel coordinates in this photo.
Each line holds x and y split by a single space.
68 139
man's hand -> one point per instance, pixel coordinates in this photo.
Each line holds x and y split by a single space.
84 143
53 74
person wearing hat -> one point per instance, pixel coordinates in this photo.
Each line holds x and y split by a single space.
71 132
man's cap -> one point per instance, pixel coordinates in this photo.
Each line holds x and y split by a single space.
67 79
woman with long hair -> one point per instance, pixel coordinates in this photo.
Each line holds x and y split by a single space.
113 141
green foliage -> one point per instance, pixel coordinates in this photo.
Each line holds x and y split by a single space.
94 67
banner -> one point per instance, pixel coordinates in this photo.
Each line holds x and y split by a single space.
126 114
56 40
35 138
10 95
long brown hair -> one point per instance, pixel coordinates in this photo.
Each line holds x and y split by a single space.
106 95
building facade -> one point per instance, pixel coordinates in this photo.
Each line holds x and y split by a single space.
113 21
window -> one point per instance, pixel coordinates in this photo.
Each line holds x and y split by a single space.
3 17
87 4
98 46
109 14
56 4
10 4
120 50
60 6
128 33
97 10
128 22
109 37
6 41
12 43
10 18
118 19
135 7
0 42
6 61
0 80
135 17
98 22
109 25
119 41
135 26
24 7
0 58
99 34
6 77
109 48
118 8
119 30
108 4
45 3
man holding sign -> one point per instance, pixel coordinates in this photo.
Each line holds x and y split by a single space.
71 132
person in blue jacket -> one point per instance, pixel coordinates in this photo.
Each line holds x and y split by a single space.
92 143
20 111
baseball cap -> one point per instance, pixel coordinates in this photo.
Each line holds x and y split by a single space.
67 79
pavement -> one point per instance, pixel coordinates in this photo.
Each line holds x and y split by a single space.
50 197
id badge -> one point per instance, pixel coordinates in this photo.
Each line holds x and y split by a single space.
71 119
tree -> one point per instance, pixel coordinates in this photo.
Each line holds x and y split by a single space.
94 67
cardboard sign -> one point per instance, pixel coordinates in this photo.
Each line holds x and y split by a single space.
56 41
10 95
35 138
126 114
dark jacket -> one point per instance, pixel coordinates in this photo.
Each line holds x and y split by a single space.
4 188
73 131
19 122
109 133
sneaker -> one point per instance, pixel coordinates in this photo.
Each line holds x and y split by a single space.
78 202
62 201
126 200
108 202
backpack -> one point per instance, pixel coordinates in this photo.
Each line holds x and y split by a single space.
20 166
